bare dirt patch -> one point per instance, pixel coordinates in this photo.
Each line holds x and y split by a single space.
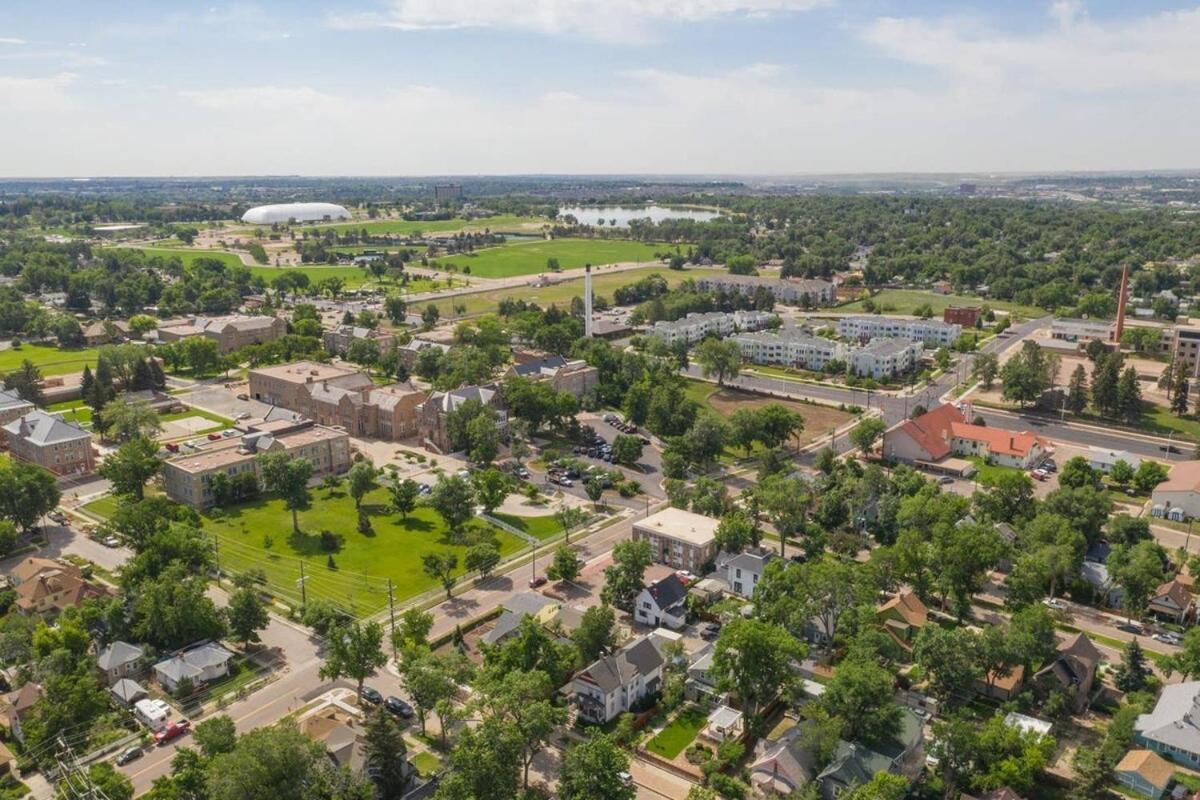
818 420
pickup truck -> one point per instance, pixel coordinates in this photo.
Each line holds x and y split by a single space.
173 730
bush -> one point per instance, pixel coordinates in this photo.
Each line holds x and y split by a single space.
698 754
329 541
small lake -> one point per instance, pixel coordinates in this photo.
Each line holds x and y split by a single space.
621 215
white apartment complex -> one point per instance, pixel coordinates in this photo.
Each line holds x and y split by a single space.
795 291
696 326
885 358
932 332
791 348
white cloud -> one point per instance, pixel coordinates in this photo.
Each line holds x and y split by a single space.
613 20
248 99
1076 55
37 95
12 40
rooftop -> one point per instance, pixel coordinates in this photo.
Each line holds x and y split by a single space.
304 371
40 428
695 529
1183 477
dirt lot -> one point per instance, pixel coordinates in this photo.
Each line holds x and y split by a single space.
818 420
1148 371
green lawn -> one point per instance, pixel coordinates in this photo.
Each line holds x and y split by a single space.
529 257
259 535
989 472
426 763
101 508
560 293
1159 420
188 255
73 411
403 226
541 528
671 740
50 360
906 301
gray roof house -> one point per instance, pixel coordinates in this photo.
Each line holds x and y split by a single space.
786 765
119 659
13 406
127 692
663 602
744 570
198 665
613 684
1173 727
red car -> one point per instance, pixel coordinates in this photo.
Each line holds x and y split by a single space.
173 731
214 436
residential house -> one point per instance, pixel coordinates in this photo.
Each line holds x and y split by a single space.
663 602
744 570
432 413
188 477
119 660
944 430
1172 729
701 683
127 692
198 665
515 609
615 683
1002 687
1145 773
679 538
51 442
1073 671
17 706
786 765
337 726
1178 497
1103 459
903 616
48 587
1172 600
575 376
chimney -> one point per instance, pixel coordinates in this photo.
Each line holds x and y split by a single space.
587 300
1122 296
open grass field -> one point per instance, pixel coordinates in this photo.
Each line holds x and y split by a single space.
188 256
541 527
818 420
403 226
50 360
529 257
363 562
560 294
905 301
73 411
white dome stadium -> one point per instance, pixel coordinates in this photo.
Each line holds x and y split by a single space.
301 212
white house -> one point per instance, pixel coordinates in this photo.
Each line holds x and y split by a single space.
1103 459
613 684
1178 497
198 665
885 358
663 602
743 571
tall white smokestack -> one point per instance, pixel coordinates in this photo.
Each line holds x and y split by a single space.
587 300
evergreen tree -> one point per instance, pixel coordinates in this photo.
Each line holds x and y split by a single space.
1129 395
1179 401
1104 384
1077 391
157 375
386 753
86 383
142 379
1132 673
102 388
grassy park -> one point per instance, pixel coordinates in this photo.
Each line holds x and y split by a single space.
906 301
50 360
188 256
540 528
529 257
405 227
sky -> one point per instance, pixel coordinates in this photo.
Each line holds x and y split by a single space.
461 87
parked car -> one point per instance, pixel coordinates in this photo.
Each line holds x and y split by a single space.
945 479
521 472
111 541
58 517
540 580
625 778
371 695
1055 603
398 707
212 437
129 754
1168 637
243 396
1132 627
709 631
1039 474
173 731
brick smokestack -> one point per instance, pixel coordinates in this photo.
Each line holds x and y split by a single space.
1122 298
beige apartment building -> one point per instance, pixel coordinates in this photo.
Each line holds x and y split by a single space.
187 478
49 441
231 332
679 538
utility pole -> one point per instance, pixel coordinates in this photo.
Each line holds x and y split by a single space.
76 780
391 607
303 591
